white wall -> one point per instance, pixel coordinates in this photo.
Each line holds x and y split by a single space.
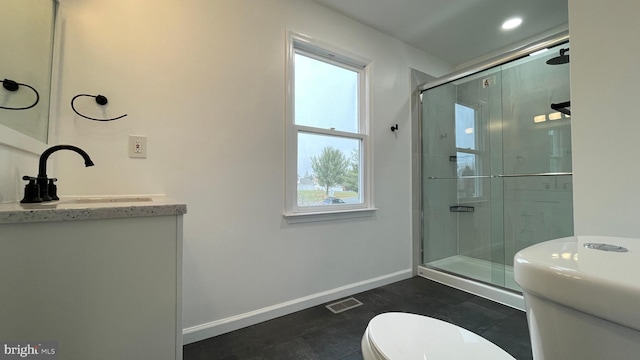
605 74
205 81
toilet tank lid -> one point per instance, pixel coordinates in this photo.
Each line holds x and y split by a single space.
584 277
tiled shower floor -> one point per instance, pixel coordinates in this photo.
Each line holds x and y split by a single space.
317 333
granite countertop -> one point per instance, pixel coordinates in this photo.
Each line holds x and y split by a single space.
90 208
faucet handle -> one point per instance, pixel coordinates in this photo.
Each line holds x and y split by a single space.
53 189
31 191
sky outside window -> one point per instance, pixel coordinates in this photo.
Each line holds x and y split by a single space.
326 96
465 127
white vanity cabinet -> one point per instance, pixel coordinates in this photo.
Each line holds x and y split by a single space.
100 286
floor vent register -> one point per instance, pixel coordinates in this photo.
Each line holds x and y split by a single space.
343 305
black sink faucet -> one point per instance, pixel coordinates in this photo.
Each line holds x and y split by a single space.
45 183
42 179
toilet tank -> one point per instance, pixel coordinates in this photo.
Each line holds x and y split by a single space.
582 296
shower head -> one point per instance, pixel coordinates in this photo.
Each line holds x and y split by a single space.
561 59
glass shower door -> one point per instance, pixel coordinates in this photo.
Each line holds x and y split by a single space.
496 168
538 194
461 204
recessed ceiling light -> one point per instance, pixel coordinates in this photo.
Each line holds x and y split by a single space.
511 23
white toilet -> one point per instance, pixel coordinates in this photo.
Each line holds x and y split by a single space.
402 336
582 296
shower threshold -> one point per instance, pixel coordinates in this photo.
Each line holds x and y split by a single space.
460 271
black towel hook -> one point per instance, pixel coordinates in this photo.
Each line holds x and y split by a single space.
100 100
12 86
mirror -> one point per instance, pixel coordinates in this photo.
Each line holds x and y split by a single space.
26 40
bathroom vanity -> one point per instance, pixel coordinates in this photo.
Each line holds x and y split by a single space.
101 277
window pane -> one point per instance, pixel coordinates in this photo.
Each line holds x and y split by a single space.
465 127
326 95
468 184
328 170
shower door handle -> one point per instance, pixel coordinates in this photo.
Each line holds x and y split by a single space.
538 174
499 176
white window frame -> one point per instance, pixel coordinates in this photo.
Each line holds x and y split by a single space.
304 45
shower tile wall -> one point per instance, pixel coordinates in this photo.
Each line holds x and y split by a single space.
537 209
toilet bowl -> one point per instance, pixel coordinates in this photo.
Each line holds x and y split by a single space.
582 297
402 336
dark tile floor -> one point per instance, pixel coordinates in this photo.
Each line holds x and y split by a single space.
317 333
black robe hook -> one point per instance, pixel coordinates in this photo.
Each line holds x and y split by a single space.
12 86
100 100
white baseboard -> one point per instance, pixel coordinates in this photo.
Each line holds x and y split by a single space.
218 327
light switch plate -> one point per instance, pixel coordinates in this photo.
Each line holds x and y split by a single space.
137 146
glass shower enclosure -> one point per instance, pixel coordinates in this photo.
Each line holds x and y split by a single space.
496 165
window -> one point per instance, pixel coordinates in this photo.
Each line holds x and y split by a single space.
468 154
327 142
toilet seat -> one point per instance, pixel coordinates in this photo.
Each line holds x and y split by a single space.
402 336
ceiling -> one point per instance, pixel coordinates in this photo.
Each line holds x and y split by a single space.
456 31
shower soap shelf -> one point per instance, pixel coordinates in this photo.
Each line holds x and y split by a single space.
459 208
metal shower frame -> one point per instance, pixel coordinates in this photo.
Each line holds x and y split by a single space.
498 60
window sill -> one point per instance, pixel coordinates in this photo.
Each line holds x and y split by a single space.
297 218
